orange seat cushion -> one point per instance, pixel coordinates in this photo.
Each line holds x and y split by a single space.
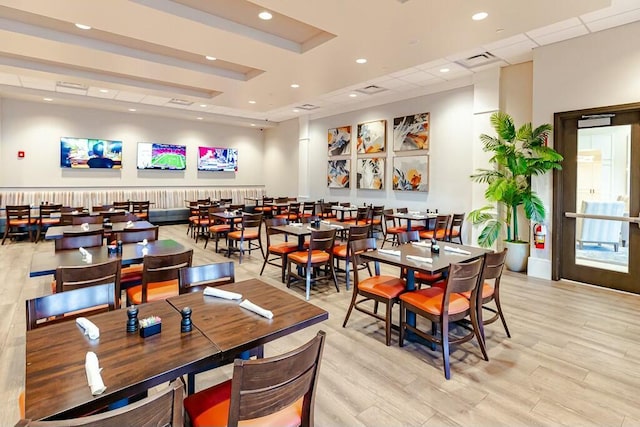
155 291
50 221
487 291
19 222
132 273
219 228
210 407
429 234
395 230
384 286
426 277
283 248
141 214
340 251
430 300
248 235
301 257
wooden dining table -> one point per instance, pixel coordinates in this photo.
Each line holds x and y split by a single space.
43 264
415 216
57 231
56 383
301 230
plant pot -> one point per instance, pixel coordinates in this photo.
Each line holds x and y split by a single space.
517 256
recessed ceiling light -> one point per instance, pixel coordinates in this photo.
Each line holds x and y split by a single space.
104 91
47 99
203 105
265 16
198 118
444 70
295 110
353 95
361 61
253 124
252 102
479 16
83 26
295 85
132 109
210 58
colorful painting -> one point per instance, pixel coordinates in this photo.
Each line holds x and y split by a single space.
411 132
371 173
339 141
411 173
372 137
338 173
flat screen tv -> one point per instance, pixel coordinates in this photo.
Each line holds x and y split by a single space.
152 155
217 159
90 153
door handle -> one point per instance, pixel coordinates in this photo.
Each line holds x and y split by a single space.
630 219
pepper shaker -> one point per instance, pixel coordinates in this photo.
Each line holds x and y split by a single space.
132 321
185 324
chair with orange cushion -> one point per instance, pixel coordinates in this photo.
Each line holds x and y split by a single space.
67 213
270 392
122 205
455 228
343 252
391 228
319 254
377 218
68 278
48 216
19 222
124 218
308 210
378 288
278 250
363 216
421 278
325 211
443 306
76 240
159 277
217 227
247 238
132 274
87 219
202 222
493 267
292 213
141 209
440 229
265 207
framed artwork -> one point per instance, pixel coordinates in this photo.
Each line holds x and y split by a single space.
371 173
372 137
338 173
411 173
339 140
411 132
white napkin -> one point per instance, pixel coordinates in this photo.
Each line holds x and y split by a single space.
85 226
324 221
129 224
421 244
256 309
93 374
75 212
336 226
221 293
389 252
145 250
295 224
144 242
456 250
420 259
83 251
417 216
89 327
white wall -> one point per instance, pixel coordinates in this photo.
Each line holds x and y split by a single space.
595 70
36 129
281 159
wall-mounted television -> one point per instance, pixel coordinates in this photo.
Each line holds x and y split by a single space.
152 155
217 159
90 153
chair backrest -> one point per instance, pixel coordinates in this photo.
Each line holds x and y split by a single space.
88 239
363 214
19 212
265 386
493 265
252 221
124 218
227 201
455 225
322 240
87 219
195 279
141 207
70 209
357 232
408 236
162 268
69 305
101 208
74 277
160 409
122 205
282 199
134 235
47 211
357 247
309 207
463 277
441 225
273 222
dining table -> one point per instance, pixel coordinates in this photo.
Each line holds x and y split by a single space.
302 230
344 209
56 383
43 264
57 231
409 217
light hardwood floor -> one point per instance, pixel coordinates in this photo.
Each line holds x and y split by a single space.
573 358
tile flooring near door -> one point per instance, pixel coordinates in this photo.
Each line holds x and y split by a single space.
572 358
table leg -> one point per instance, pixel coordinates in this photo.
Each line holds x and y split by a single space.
411 316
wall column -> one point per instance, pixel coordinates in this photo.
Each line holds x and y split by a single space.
303 157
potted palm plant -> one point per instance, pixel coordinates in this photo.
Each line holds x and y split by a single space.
517 155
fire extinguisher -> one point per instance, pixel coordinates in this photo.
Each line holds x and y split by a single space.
539 235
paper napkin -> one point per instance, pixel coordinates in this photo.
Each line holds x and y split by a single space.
420 259
85 227
296 224
389 252
89 327
144 242
457 250
256 309
94 378
221 293
422 244
129 224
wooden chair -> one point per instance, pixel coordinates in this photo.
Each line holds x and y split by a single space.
68 213
363 216
279 250
248 234
493 267
68 278
377 218
102 208
279 391
19 222
124 218
195 279
319 254
88 239
264 207
455 228
326 212
439 231
141 209
391 228
378 288
217 228
135 235
443 306
308 209
421 278
87 219
69 305
163 408
122 205
292 213
48 216
226 201
343 252
202 222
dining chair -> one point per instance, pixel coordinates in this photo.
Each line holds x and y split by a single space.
195 279
68 213
123 218
101 208
70 305
493 267
278 250
226 201
343 252
68 278
264 207
141 209
217 227
87 219
292 213
326 211
274 391
363 216
443 306
76 240
122 205
249 234
159 277
378 288
439 231
135 235
308 209
318 255
391 228
18 222
421 278
163 408
48 216
377 218
202 222
455 228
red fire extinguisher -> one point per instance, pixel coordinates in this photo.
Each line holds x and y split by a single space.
539 235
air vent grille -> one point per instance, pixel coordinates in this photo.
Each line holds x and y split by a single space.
71 85
371 89
308 107
181 102
478 60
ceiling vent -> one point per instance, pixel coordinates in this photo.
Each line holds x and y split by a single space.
181 102
308 107
402 1
71 85
371 89
478 60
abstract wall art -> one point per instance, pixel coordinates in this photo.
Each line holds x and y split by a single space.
372 137
339 140
411 132
371 173
338 172
411 173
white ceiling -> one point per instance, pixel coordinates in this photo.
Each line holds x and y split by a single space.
149 55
